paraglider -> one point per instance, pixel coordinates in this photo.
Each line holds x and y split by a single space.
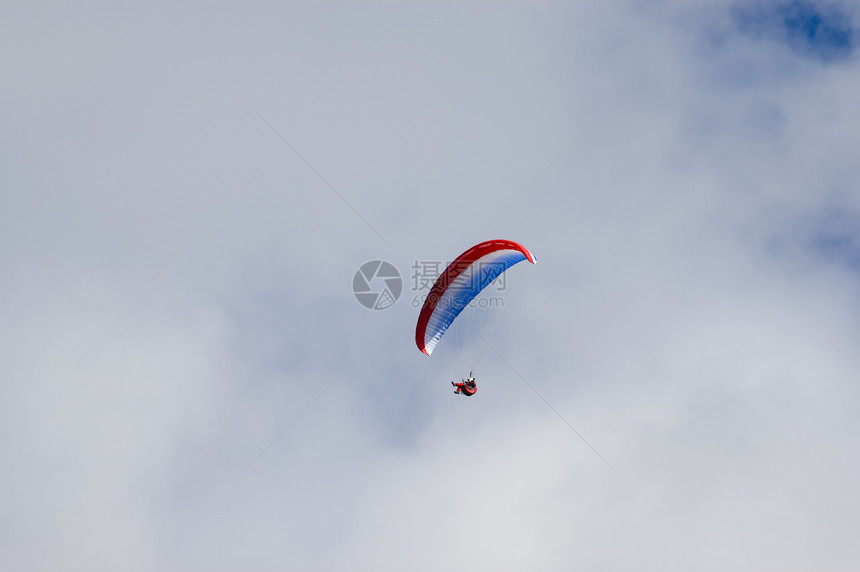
460 283
468 387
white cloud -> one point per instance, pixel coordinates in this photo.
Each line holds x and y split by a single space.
176 289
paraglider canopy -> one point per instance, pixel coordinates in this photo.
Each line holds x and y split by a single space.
460 283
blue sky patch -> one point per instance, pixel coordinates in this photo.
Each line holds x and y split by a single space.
840 247
834 236
818 31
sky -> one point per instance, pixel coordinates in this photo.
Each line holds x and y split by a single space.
187 190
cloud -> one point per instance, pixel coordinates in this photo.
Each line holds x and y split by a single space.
177 286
